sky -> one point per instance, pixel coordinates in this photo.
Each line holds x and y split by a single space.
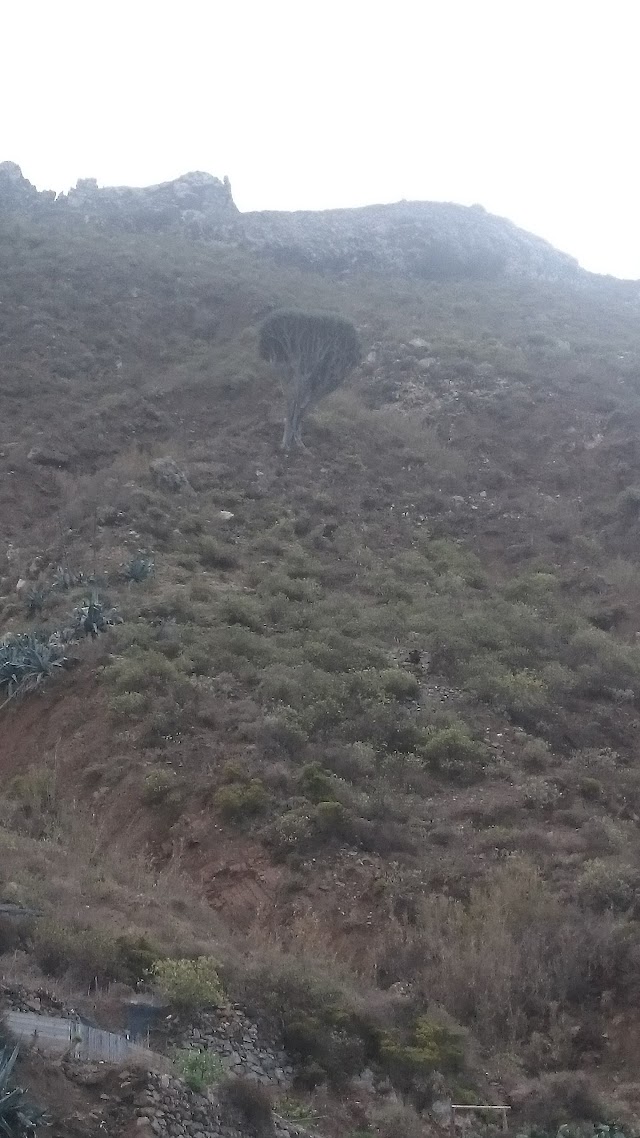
527 107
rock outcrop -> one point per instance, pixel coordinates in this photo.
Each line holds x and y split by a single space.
433 240
17 192
198 201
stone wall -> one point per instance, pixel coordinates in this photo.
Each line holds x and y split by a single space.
239 1045
168 1108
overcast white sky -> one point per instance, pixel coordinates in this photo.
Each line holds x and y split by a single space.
529 107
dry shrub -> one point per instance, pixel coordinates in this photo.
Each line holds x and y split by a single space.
248 1103
328 1022
554 1099
395 1118
15 933
497 963
89 954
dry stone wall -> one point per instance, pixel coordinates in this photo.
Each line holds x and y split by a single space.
237 1042
169 1109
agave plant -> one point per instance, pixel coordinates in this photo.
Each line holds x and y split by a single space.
65 578
10 668
16 1117
95 615
35 600
25 661
138 569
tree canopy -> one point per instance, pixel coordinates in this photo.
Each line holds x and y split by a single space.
316 353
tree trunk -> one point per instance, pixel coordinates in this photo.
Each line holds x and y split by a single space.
292 427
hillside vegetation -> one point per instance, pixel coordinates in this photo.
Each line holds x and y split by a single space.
365 726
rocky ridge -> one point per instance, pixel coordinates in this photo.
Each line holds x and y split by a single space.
432 240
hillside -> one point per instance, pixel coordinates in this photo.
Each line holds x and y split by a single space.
365 730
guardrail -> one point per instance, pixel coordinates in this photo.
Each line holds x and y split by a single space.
458 1107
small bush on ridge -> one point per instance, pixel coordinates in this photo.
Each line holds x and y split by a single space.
189 984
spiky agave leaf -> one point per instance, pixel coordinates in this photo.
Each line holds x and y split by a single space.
7 1063
138 569
16 1116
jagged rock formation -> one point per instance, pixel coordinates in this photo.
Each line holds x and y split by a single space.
17 192
197 200
434 240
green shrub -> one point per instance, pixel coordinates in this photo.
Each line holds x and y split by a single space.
398 684
245 611
214 555
450 559
334 820
128 704
514 692
603 665
189 984
294 589
591 789
239 800
336 652
281 733
289 833
535 754
606 885
433 1047
451 751
141 670
239 641
159 784
532 588
234 771
295 1111
317 784
136 956
200 1069
329 1045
